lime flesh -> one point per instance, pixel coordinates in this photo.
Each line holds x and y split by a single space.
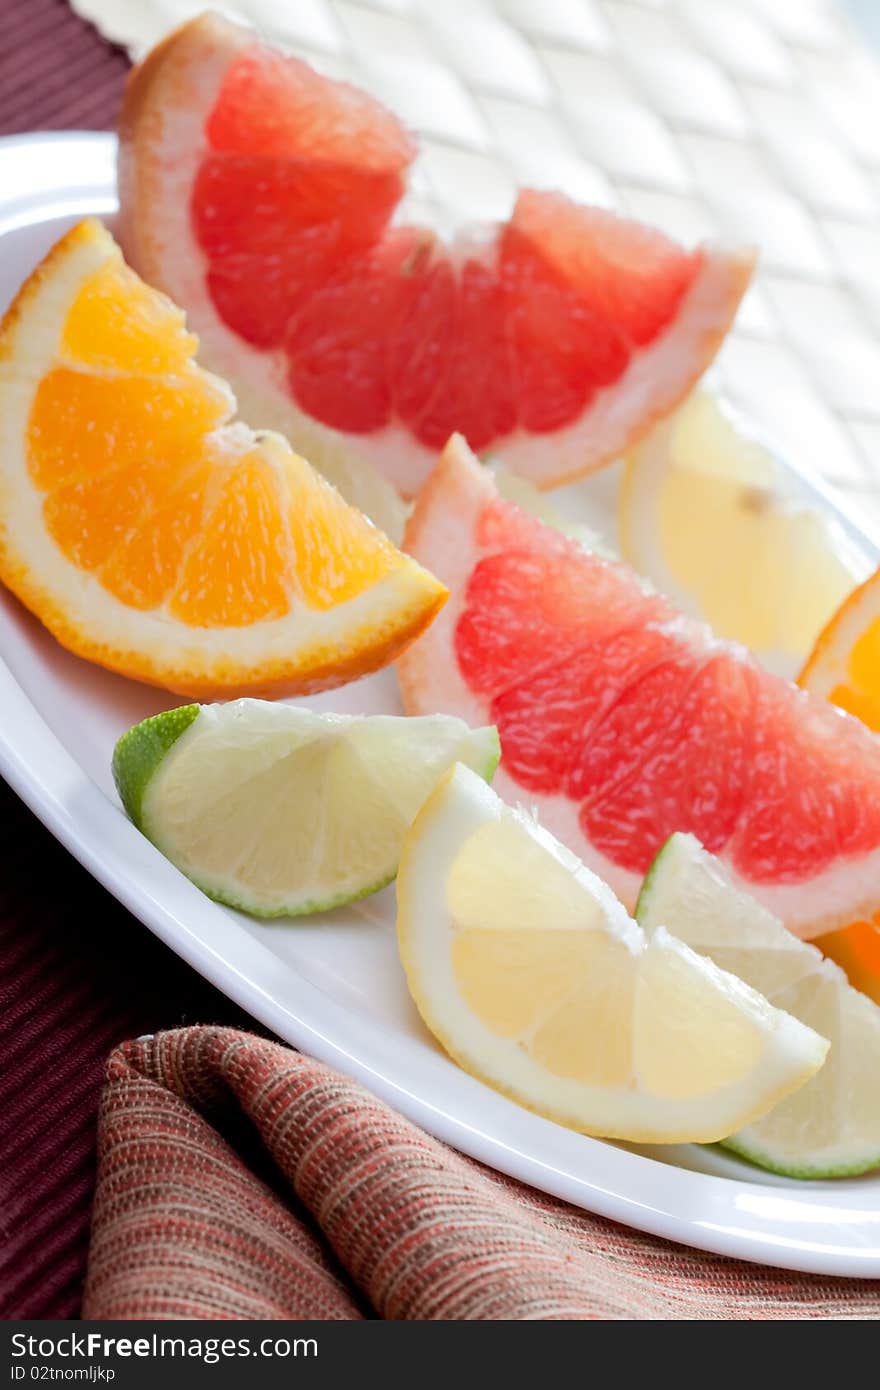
831 1126
279 810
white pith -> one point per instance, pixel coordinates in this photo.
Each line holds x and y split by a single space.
690 893
165 649
786 1055
280 809
158 240
442 537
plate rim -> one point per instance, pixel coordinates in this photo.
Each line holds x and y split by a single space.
728 1216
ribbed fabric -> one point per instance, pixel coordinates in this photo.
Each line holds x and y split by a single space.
55 71
184 1229
77 976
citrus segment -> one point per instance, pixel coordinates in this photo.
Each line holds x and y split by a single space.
860 693
338 552
235 573
261 195
93 517
675 1010
533 978
282 108
118 322
151 534
632 277
626 721
279 810
831 1125
707 513
844 665
143 568
81 425
856 949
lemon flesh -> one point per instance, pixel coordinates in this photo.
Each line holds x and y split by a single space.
280 810
831 1126
533 977
708 515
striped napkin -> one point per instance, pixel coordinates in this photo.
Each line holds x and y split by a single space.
240 1179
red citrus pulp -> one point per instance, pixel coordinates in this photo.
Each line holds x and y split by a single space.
623 721
262 195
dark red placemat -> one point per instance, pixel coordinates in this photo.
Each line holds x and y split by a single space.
56 72
77 973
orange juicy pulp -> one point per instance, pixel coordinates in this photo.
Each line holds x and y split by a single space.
145 490
856 949
859 689
604 694
291 207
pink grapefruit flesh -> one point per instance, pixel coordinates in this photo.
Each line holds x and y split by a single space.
260 195
622 721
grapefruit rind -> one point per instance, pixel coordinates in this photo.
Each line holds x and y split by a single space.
194 781
162 141
304 651
690 894
639 1111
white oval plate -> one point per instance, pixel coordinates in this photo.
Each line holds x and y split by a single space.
333 985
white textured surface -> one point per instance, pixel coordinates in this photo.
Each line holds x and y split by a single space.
748 119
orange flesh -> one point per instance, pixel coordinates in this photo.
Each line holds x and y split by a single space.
232 575
856 949
117 322
146 490
861 693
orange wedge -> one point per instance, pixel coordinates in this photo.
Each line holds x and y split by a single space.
155 535
856 949
844 666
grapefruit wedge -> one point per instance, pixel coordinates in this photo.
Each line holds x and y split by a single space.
623 721
261 196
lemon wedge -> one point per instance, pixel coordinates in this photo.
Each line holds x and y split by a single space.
707 514
533 977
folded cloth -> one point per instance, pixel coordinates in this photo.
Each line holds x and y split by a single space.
239 1179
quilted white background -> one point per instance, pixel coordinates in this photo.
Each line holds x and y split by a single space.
746 120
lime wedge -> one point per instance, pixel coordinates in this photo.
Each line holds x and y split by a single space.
279 810
831 1126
